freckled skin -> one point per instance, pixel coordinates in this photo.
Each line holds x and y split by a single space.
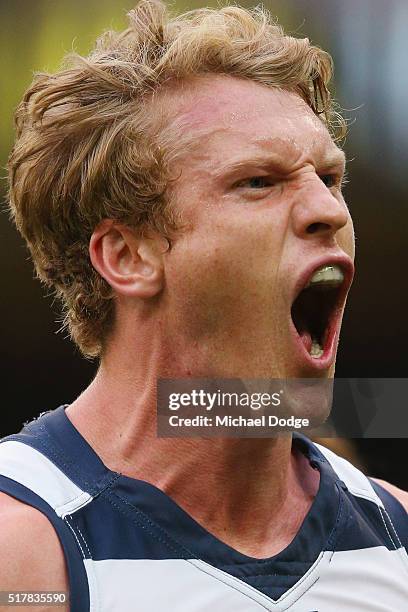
229 276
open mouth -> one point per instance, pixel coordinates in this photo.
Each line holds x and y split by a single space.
316 308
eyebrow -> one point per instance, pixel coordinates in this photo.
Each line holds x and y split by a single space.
336 157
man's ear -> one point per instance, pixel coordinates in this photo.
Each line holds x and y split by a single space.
130 263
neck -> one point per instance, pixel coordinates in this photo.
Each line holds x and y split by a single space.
253 494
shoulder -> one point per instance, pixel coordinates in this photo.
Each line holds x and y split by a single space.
32 558
398 494
365 489
394 499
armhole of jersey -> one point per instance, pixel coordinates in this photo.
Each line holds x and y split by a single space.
397 514
77 576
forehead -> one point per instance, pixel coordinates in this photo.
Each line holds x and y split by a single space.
215 115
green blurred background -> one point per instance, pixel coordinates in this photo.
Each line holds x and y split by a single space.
367 38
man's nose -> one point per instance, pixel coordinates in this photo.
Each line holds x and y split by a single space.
317 212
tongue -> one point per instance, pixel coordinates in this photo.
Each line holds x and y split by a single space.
306 339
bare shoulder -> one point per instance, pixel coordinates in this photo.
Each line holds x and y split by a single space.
399 494
31 554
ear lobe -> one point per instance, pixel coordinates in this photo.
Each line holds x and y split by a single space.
131 264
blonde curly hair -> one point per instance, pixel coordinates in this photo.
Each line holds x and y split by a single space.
89 147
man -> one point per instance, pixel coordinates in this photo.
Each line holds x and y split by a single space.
179 188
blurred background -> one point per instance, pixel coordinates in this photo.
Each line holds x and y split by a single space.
40 369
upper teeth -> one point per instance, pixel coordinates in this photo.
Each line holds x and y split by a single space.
332 275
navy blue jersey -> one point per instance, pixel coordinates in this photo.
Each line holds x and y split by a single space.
129 547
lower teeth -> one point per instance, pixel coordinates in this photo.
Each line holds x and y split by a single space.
316 350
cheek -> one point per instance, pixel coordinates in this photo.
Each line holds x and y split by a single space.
346 238
211 270
222 280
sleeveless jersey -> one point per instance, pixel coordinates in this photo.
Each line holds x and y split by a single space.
130 548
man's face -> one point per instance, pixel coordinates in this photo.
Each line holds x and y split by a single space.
259 192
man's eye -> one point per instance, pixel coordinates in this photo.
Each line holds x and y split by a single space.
255 182
330 180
